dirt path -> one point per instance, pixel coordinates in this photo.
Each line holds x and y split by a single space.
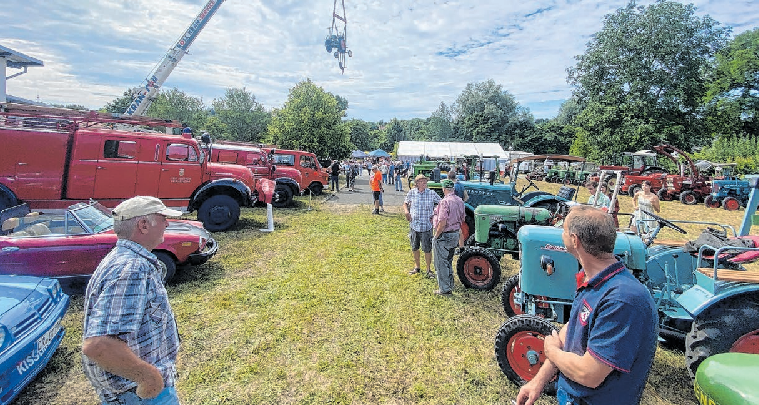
393 200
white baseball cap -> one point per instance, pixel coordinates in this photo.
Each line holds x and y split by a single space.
142 205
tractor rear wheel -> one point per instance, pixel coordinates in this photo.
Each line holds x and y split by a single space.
633 189
688 197
478 268
712 202
731 204
467 227
729 325
664 195
519 349
511 287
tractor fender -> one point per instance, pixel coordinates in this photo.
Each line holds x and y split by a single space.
550 198
289 182
697 299
231 187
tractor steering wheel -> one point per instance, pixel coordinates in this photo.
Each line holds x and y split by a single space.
527 187
664 222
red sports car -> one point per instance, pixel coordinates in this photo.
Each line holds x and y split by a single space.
70 244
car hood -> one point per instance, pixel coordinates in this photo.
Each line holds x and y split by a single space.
187 228
17 289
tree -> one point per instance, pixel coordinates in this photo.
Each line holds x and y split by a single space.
732 98
360 135
547 137
342 104
484 112
415 129
393 133
310 120
119 104
641 78
439 125
178 105
243 117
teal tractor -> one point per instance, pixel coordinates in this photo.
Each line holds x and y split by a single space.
728 191
710 304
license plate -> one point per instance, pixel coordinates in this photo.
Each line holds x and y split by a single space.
44 341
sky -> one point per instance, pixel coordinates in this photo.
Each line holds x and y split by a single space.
408 55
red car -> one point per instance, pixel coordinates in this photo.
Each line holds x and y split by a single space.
69 245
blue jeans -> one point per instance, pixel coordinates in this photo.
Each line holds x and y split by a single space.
166 397
398 183
334 183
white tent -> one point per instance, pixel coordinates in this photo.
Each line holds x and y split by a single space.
411 150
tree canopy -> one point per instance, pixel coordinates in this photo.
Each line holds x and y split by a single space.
241 116
310 120
641 77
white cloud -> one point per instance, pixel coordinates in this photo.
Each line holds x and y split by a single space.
94 50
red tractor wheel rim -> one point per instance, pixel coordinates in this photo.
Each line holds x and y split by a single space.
711 203
689 198
512 303
748 343
525 354
732 205
477 270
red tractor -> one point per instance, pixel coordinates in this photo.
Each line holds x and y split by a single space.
635 167
690 186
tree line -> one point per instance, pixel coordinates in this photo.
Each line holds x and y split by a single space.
651 75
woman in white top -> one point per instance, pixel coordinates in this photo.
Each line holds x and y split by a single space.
648 201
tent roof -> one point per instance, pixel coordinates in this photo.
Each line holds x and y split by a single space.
452 149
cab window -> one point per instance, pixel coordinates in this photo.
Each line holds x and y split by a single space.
179 152
115 149
226 156
286 160
307 162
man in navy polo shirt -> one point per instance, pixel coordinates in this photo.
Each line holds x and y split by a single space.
603 354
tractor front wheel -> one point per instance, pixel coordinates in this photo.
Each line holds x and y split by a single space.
729 325
664 195
478 268
731 204
712 202
632 190
519 349
511 287
688 197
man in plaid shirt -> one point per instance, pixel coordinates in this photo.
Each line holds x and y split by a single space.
130 339
419 207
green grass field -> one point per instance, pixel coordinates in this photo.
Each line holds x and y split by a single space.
323 311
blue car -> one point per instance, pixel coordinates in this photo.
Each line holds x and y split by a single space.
31 309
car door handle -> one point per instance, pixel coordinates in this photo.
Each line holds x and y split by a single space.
101 167
22 163
164 170
10 248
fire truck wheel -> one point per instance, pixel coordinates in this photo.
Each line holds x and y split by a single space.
712 202
519 349
478 268
721 329
219 213
731 204
316 189
510 287
168 261
688 198
282 197
633 189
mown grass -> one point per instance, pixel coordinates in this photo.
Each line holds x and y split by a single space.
323 311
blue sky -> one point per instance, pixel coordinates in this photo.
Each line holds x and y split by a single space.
408 55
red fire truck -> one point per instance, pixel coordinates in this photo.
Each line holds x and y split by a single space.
54 157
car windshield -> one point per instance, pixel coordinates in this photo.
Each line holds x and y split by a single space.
92 215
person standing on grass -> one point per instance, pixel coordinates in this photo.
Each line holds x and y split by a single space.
391 173
335 175
644 200
419 206
376 183
130 340
446 225
604 353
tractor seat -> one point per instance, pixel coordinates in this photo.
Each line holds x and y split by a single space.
737 276
566 192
